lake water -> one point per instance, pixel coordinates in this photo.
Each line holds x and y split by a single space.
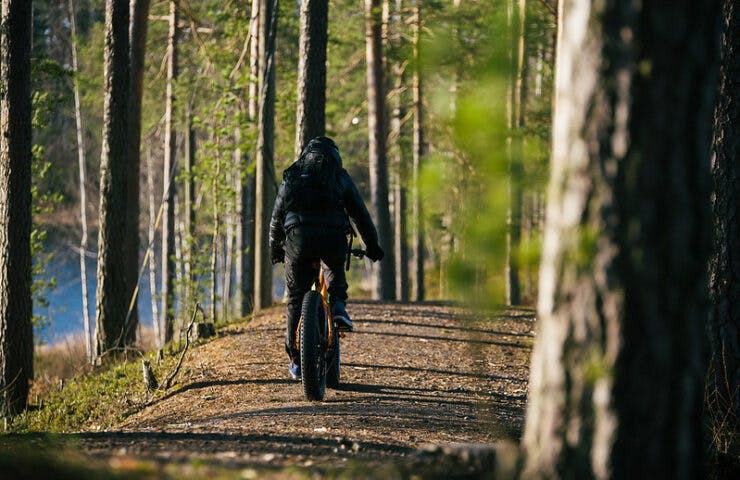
65 301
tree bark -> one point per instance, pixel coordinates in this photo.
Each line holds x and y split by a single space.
245 252
723 377
398 194
400 246
617 368
112 299
265 170
189 216
170 145
419 151
383 272
310 121
156 321
83 181
137 38
517 9
16 331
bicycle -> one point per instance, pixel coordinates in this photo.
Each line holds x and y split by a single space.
318 338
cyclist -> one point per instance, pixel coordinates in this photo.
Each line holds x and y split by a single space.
310 221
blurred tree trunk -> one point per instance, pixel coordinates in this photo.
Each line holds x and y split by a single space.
400 246
137 39
723 378
189 215
265 170
112 300
245 252
168 214
383 272
83 181
156 320
311 72
16 331
517 10
616 382
214 241
393 15
419 150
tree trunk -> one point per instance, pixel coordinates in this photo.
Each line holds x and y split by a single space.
83 181
398 195
228 256
617 368
156 323
137 39
517 9
723 377
265 171
112 300
189 216
170 145
383 272
311 72
418 154
245 258
16 332
214 243
400 247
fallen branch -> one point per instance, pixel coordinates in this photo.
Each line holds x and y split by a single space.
168 381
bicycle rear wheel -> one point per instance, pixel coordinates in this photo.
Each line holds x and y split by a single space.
313 362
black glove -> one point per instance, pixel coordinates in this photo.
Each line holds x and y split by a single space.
277 255
374 253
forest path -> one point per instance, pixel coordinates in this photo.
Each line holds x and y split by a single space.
412 375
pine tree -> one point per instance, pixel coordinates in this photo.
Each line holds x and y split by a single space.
111 300
16 332
265 170
311 72
383 272
723 377
617 367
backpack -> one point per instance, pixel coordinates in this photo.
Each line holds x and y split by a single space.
312 182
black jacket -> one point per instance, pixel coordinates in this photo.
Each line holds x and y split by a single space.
282 221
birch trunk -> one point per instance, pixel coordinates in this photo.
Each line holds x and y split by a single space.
83 182
170 144
156 321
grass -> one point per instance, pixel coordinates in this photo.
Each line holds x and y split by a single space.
89 400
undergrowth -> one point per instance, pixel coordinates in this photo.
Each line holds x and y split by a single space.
94 401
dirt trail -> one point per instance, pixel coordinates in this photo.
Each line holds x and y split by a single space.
412 375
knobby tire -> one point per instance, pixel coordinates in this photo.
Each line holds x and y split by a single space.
313 364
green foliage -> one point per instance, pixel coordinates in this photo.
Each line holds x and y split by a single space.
92 402
44 197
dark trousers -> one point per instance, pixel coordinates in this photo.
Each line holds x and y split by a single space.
304 246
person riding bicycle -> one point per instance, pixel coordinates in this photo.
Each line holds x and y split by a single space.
310 222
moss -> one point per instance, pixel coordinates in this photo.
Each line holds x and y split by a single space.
94 401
